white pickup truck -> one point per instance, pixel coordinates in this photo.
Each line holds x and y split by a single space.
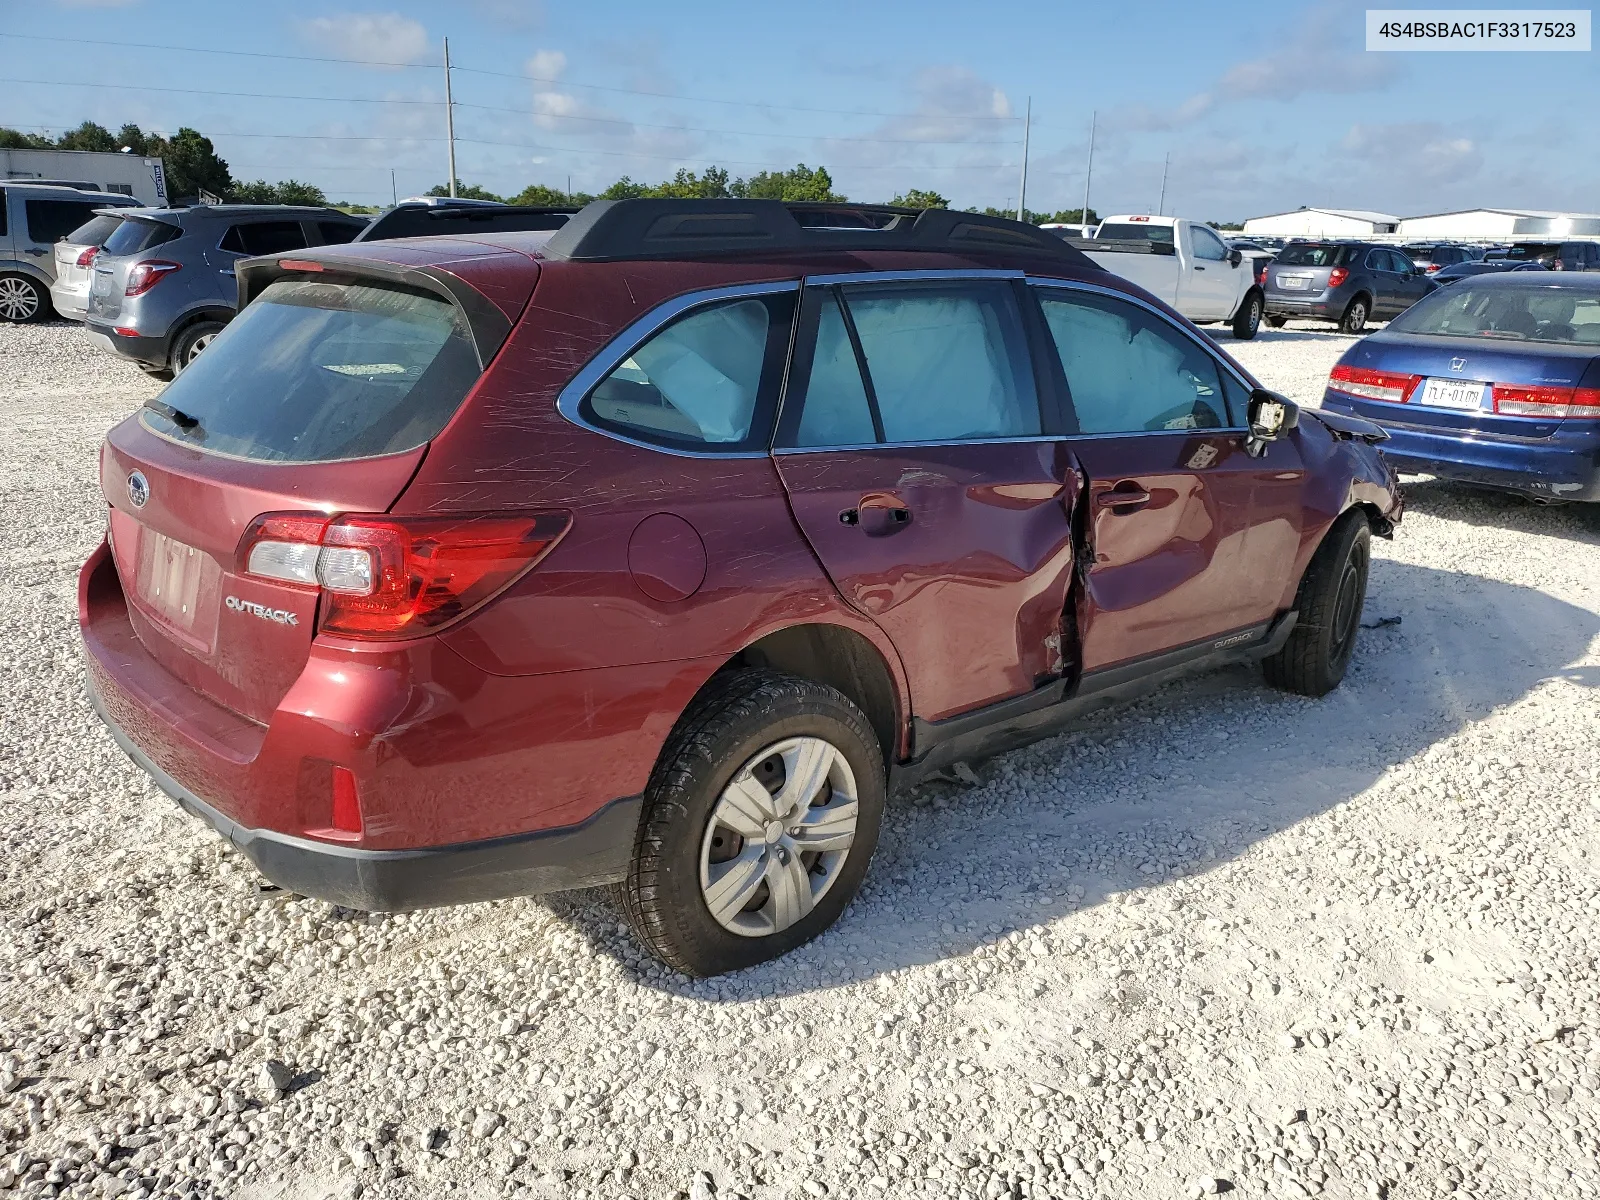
1183 262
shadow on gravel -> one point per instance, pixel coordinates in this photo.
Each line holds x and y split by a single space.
1174 784
1503 510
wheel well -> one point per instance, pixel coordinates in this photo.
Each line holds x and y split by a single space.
1361 295
223 315
840 658
1381 525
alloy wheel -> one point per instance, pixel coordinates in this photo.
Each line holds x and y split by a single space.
199 344
19 300
778 836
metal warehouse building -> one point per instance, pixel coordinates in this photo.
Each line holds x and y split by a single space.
1321 222
1500 223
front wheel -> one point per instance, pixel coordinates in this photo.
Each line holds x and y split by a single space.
1355 317
1248 317
759 822
1313 660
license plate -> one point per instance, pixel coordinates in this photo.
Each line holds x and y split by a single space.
1452 393
102 283
1294 283
176 583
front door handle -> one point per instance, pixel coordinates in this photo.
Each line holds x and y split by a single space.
1198 267
876 518
1123 496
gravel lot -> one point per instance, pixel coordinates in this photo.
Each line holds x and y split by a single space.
1224 940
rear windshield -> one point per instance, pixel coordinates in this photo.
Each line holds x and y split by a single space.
1136 232
1309 254
314 371
1526 313
93 232
134 236
1531 250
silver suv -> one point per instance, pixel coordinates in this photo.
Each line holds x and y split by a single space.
33 217
163 282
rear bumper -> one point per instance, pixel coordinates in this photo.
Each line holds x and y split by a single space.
69 303
1563 466
472 786
151 350
550 860
1279 305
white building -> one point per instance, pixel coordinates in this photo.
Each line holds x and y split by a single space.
127 174
1321 222
1500 224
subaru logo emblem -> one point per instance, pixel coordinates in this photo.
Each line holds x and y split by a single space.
1457 363
138 489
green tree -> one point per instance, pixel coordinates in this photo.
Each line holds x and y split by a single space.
539 196
191 164
1070 216
134 139
686 185
88 136
15 139
917 198
258 191
800 183
1227 226
292 191
464 191
626 189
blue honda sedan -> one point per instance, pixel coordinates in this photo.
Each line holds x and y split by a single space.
1493 381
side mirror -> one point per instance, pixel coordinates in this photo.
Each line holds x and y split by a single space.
1270 417
1235 257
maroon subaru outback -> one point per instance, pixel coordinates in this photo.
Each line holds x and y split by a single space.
653 551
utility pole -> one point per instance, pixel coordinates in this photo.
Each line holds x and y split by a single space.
1022 188
1161 205
1083 217
450 118
394 192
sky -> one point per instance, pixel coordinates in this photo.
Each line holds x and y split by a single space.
1260 106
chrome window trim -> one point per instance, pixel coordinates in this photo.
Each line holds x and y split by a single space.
934 444
911 276
621 346
1039 281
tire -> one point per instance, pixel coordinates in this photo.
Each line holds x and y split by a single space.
23 299
752 728
1248 318
1275 322
191 342
1313 660
1355 316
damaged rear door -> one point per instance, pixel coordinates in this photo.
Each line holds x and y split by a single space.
913 448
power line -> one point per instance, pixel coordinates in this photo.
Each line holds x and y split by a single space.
364 62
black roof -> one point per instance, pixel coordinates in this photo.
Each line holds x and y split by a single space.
615 230
432 220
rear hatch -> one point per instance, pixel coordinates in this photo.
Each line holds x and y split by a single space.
75 253
1305 268
134 240
320 397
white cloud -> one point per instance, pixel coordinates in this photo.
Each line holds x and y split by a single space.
546 66
377 38
1422 148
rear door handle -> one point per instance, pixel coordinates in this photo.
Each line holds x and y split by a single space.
1123 497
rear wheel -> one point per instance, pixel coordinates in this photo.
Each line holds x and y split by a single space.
1313 660
1248 318
1276 322
758 824
1355 316
191 342
23 299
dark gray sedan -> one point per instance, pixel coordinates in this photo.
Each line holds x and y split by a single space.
1344 282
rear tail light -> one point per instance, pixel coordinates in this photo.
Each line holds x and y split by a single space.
394 577
1373 385
1513 401
1261 276
86 257
1430 268
143 276
1337 276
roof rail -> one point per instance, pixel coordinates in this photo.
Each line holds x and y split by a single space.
408 219
612 230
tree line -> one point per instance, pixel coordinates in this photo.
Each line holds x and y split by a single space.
193 166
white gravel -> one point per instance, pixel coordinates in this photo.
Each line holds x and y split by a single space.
1224 940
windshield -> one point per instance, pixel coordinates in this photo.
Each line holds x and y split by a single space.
1130 231
135 235
1524 313
1531 251
314 371
1310 254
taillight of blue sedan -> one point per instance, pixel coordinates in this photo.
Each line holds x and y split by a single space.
1495 381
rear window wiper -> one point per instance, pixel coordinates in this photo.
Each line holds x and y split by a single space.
177 416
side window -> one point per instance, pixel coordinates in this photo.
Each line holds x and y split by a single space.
1378 260
336 233
946 362
264 237
698 383
1207 245
51 220
835 410
1238 398
1128 370
5 201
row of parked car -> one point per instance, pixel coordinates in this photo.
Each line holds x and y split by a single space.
156 285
